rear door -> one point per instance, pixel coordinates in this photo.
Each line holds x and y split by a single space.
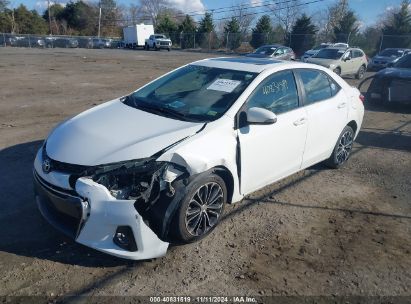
326 106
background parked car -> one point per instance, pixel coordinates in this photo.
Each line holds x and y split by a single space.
387 56
343 61
276 51
392 84
314 51
61 42
25 41
99 43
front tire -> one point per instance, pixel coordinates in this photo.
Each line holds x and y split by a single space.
342 149
200 210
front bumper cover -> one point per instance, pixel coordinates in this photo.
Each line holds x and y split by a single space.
91 215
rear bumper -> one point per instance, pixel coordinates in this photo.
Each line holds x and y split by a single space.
91 216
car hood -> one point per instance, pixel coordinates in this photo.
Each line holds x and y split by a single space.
386 59
394 73
321 61
114 132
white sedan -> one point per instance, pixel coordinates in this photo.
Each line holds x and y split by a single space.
157 166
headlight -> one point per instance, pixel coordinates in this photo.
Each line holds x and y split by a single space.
130 179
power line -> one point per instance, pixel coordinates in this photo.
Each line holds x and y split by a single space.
146 17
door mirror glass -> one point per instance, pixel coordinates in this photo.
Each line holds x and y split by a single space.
260 116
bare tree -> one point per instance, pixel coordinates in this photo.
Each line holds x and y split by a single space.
331 17
285 14
153 8
243 16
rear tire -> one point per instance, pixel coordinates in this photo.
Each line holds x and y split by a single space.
200 210
342 149
361 72
337 71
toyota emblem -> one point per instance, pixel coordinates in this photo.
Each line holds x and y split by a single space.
46 165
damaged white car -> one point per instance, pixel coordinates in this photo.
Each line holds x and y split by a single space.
155 167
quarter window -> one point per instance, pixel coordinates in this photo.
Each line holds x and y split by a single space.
277 93
318 86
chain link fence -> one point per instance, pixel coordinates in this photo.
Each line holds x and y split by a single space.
224 42
57 41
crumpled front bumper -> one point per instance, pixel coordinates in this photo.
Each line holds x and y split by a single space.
91 215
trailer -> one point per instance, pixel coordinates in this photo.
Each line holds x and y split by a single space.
136 35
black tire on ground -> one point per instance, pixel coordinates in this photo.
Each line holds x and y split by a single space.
200 209
155 47
361 72
169 49
342 149
337 71
146 46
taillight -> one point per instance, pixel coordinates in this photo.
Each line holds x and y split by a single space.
362 97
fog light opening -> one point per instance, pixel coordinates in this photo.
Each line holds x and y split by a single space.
124 238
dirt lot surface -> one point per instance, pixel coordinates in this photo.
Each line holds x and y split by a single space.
319 232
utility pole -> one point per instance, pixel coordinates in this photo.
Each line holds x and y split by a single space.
99 19
49 13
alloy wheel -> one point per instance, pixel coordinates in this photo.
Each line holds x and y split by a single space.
204 209
344 147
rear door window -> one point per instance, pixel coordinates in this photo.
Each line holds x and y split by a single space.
317 86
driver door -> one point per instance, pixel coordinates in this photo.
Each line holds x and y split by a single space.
271 152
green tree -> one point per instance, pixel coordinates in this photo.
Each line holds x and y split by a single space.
81 18
302 36
232 33
346 28
29 22
3 5
262 32
205 29
187 30
398 24
165 24
55 11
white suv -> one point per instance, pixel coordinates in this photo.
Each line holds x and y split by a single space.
343 61
158 165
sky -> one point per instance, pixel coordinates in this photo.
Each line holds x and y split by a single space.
367 11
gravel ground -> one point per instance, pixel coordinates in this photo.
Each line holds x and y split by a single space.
319 232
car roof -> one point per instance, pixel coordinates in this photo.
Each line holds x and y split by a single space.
249 64
273 45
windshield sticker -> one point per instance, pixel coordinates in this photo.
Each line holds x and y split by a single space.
176 104
224 85
212 113
275 87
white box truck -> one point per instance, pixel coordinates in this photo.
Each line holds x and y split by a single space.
136 35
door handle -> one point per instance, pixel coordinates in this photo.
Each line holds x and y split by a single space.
300 121
342 105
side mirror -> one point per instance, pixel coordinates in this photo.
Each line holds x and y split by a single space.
260 116
347 58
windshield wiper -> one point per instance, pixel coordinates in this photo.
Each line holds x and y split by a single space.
162 111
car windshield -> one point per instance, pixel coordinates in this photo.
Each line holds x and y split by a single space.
265 50
160 36
392 53
330 54
192 93
404 62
